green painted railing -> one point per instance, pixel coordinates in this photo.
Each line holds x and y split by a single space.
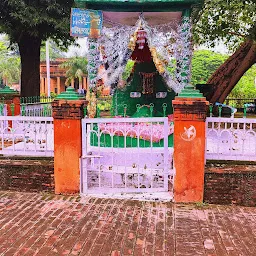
36 99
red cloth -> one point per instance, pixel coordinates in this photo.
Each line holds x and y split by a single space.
143 55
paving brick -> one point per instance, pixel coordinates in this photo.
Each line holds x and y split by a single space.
31 224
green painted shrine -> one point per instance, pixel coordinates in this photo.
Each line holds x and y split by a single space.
156 35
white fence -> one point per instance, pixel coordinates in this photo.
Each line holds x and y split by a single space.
3 109
26 136
231 138
126 155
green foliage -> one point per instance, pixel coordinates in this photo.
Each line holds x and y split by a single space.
9 65
128 69
228 20
204 64
29 23
76 68
36 18
201 205
246 87
104 105
3 48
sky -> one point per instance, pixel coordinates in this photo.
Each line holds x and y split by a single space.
80 51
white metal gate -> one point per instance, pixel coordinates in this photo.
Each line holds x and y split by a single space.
125 155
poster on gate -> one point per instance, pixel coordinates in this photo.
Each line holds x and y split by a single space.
85 23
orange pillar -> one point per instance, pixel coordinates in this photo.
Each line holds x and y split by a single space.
189 146
85 83
67 116
58 85
45 86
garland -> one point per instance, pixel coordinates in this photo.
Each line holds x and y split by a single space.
93 62
169 44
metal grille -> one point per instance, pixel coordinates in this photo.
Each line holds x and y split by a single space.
125 155
231 139
37 109
31 136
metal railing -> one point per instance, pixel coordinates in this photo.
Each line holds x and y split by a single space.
125 155
3 109
36 99
231 138
36 106
22 136
239 102
36 109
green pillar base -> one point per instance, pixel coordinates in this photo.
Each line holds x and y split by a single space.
190 92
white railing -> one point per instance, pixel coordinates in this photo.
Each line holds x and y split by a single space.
231 138
3 109
26 136
126 155
36 109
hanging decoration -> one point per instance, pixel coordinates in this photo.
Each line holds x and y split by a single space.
169 45
116 52
93 62
92 104
147 82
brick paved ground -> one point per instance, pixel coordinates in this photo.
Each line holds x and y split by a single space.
43 224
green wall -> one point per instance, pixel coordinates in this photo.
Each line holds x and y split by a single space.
122 96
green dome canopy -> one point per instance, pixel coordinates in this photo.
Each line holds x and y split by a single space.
8 90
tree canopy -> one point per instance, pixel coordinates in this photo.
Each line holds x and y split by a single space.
29 23
9 64
231 21
36 18
234 22
76 68
204 64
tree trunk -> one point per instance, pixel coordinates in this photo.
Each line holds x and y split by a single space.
29 48
229 73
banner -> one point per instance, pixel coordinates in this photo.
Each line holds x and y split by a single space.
85 23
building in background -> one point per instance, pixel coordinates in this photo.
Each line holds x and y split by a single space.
57 78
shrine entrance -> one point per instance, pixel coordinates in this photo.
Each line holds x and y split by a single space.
145 48
126 155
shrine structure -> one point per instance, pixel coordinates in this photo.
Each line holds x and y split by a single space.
146 49
156 36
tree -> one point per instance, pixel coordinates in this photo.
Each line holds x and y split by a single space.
246 87
9 65
9 69
204 64
29 23
234 22
76 68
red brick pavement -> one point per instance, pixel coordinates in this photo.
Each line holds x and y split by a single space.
44 224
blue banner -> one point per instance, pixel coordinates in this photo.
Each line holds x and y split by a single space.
85 23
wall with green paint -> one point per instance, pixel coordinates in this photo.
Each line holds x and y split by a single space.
122 96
